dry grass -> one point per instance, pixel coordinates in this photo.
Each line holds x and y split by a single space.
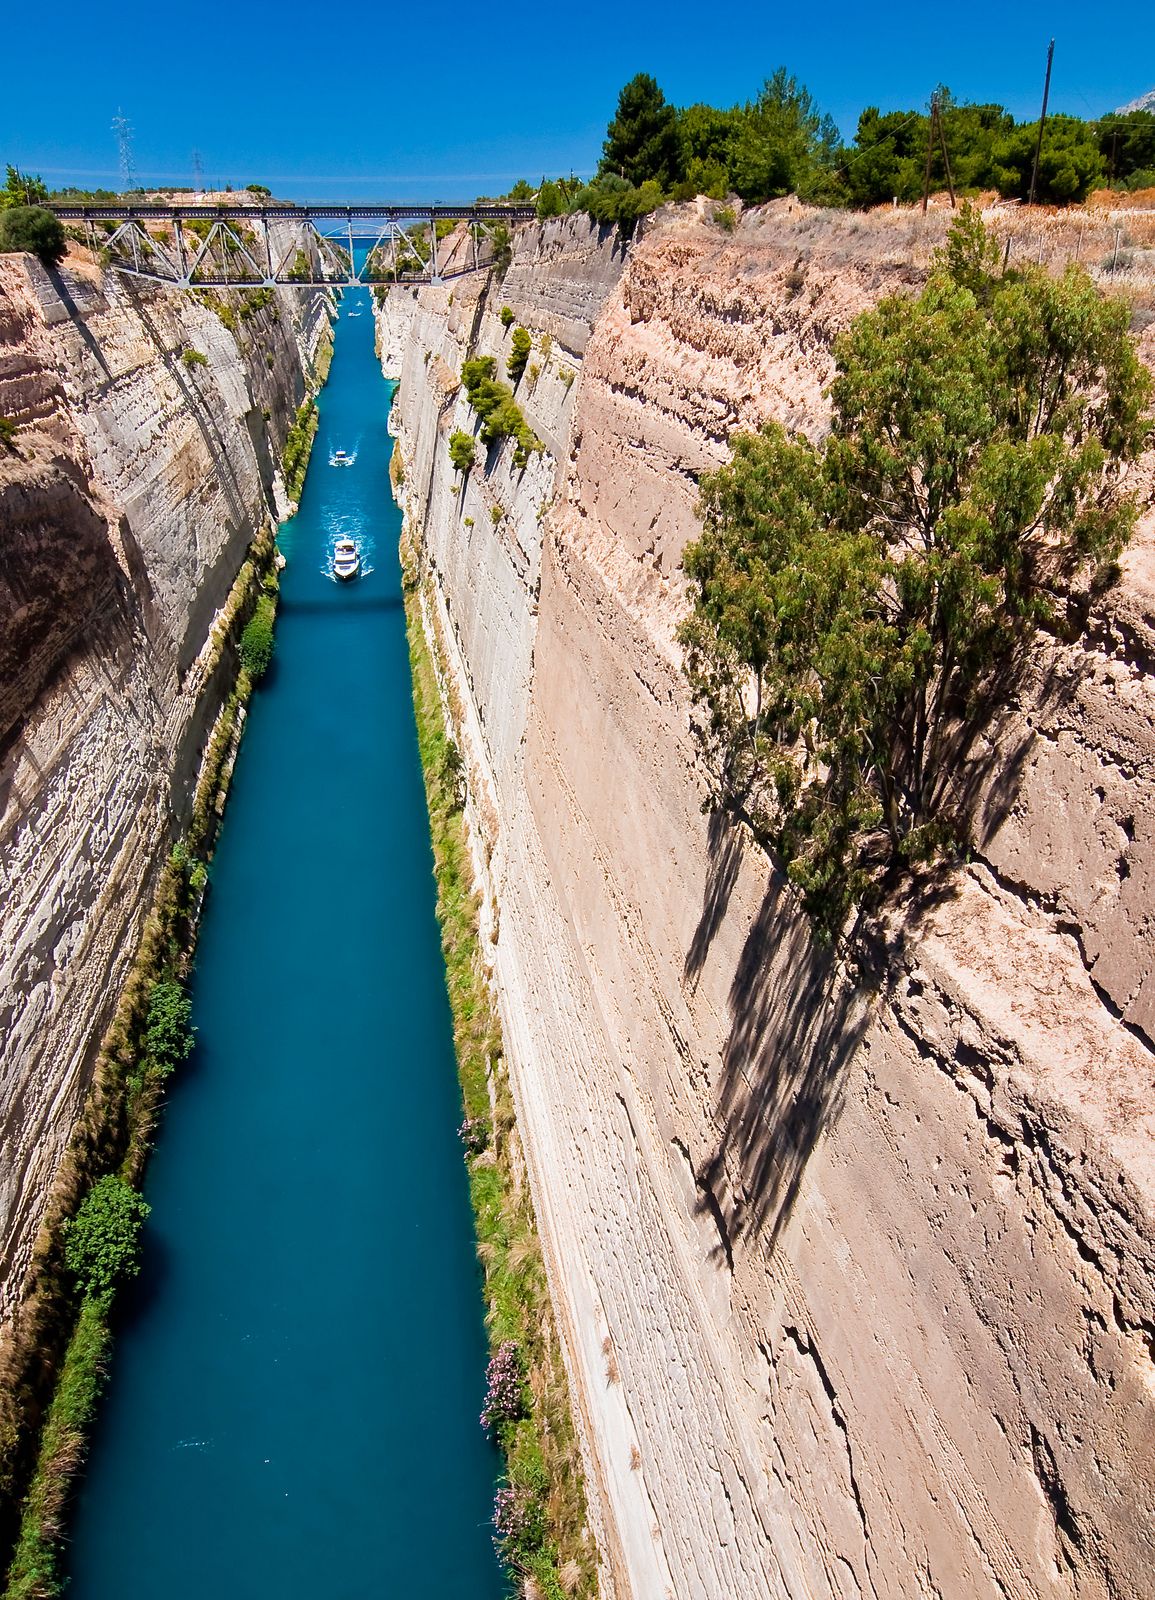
1113 236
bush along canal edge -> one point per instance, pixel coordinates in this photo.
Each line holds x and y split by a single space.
540 1519
303 429
54 1361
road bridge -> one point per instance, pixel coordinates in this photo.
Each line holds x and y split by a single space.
253 245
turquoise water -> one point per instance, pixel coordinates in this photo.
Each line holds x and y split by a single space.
294 1396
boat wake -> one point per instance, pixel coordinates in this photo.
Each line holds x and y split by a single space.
351 528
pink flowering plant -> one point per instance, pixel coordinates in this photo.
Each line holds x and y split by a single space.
519 1523
505 1388
474 1134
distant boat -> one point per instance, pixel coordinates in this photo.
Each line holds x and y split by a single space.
340 459
346 561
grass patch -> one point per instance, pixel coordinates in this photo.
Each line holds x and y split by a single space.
541 1518
35 1566
323 357
298 448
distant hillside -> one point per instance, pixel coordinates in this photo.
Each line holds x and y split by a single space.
1145 102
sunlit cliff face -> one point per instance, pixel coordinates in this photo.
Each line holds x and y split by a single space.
868 1258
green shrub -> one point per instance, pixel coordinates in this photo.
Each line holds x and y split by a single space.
507 315
257 640
726 218
193 358
168 1033
254 301
500 415
102 1241
519 355
33 229
610 199
462 450
8 428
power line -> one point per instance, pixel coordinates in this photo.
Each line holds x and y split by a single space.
122 128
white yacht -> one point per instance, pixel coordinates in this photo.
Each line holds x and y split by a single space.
340 459
346 561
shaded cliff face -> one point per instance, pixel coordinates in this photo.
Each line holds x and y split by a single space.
857 1279
133 488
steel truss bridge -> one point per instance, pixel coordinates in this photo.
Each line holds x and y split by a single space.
203 246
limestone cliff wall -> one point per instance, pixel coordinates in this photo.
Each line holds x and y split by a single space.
856 1277
127 501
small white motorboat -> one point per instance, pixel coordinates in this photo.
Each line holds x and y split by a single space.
340 459
346 561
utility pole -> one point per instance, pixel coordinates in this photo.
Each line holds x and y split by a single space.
929 149
936 126
945 156
122 128
198 172
1042 120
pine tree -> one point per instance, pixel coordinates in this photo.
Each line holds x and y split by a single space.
642 141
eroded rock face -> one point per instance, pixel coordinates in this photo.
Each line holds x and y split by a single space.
856 1276
132 491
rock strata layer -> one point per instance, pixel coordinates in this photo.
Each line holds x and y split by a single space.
857 1280
128 497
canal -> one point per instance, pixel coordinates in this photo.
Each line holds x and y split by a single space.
295 1390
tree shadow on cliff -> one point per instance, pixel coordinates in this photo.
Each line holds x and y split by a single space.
724 858
1030 694
799 1008
79 322
797 1017
198 407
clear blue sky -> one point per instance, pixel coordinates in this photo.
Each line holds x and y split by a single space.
445 102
